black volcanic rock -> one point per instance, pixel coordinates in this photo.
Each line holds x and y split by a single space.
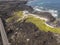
4 4
26 33
46 15
10 4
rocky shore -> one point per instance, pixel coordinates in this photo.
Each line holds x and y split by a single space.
26 33
6 8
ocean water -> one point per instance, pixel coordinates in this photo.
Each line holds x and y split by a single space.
51 5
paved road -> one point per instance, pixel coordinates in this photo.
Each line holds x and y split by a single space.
3 34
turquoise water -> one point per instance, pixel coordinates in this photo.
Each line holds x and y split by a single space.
47 4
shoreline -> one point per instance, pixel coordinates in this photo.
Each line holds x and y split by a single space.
36 16
51 15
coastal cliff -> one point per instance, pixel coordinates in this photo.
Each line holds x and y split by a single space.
7 7
26 29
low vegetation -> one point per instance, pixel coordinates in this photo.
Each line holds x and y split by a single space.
15 17
38 22
41 25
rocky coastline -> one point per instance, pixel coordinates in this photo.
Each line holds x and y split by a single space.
23 33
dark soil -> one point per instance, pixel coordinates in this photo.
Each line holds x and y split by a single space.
26 33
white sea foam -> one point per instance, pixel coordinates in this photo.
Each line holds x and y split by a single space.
38 8
53 12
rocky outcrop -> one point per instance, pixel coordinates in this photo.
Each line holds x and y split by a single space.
6 8
26 33
45 15
7 4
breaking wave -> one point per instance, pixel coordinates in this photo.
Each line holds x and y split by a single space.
41 9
